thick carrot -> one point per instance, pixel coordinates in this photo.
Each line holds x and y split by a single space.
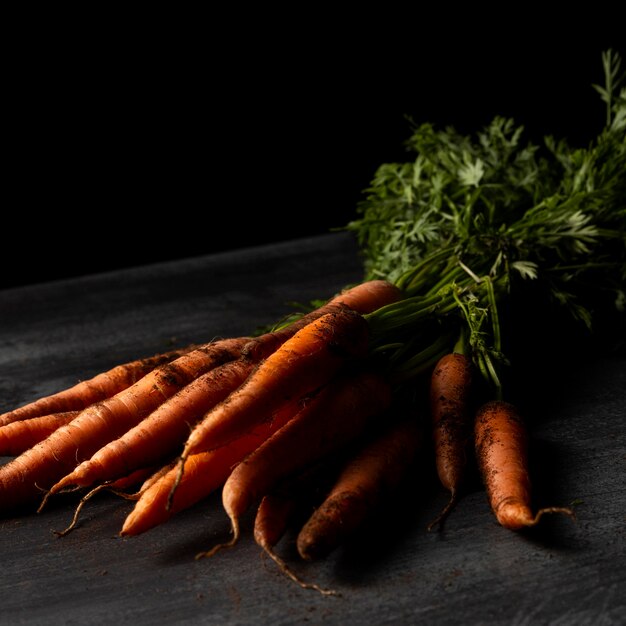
330 420
451 419
17 437
37 469
302 364
501 443
368 477
203 474
86 392
363 298
162 433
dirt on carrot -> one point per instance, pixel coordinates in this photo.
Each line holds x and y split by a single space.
95 389
336 416
501 443
370 476
451 422
301 365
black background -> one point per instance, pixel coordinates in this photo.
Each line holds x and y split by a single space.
134 143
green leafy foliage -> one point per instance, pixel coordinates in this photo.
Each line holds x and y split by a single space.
470 217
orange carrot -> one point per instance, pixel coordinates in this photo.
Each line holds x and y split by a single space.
277 510
161 433
450 395
86 392
363 298
298 367
203 474
18 437
367 478
330 420
501 443
37 469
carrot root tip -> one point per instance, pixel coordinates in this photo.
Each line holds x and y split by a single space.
220 546
179 477
553 509
441 518
287 571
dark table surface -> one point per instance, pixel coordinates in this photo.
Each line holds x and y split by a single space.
473 572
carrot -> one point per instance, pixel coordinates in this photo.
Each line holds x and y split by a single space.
363 298
18 437
369 476
279 508
203 474
450 395
330 420
86 392
162 432
302 364
271 522
37 469
501 443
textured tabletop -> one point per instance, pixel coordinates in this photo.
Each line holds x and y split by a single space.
394 571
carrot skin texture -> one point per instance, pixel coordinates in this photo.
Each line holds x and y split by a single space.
366 479
161 433
363 298
17 437
338 414
203 474
450 391
452 422
302 364
36 470
95 389
272 519
501 444
501 450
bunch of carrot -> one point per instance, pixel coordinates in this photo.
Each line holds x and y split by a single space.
261 418
327 413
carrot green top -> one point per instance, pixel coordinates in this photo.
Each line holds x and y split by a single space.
472 220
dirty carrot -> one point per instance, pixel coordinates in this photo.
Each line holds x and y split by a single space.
37 469
162 433
203 474
451 421
17 437
501 443
330 420
99 387
367 478
302 364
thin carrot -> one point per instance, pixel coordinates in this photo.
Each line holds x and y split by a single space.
367 478
330 420
37 469
279 508
501 443
302 364
203 474
95 389
451 419
162 433
17 437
